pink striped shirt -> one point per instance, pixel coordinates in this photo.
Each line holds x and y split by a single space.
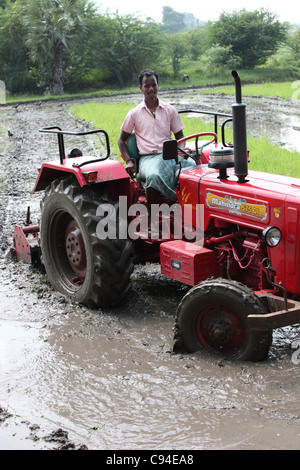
152 130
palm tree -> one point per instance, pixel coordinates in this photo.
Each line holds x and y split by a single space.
53 27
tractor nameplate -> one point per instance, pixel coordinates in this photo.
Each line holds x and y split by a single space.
237 206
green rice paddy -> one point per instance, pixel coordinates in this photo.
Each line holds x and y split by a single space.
264 156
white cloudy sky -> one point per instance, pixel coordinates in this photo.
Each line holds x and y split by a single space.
287 10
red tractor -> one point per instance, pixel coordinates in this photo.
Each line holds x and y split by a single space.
233 237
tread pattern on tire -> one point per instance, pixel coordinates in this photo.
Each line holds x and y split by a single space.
259 342
112 265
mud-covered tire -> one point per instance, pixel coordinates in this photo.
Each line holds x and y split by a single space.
92 271
213 316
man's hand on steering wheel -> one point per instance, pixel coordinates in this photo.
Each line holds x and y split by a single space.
195 153
185 153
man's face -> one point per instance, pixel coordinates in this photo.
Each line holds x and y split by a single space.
149 87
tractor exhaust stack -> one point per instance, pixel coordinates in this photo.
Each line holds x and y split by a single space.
239 132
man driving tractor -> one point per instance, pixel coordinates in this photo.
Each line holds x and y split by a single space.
153 122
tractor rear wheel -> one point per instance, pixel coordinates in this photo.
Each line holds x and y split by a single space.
92 271
213 316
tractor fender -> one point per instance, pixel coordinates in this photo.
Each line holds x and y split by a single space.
103 171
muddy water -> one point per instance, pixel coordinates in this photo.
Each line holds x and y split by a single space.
108 379
274 118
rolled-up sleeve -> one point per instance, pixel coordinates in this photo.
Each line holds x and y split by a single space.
128 124
176 121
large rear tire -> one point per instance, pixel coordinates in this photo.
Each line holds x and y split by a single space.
213 316
78 264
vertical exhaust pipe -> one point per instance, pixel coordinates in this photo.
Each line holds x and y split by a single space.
239 132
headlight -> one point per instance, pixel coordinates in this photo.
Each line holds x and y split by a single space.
271 236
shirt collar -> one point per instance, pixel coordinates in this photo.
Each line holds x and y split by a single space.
160 104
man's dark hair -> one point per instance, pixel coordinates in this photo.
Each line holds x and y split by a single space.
147 73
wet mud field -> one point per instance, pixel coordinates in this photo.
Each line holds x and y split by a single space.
73 378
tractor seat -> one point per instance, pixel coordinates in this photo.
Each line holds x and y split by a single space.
134 153
132 147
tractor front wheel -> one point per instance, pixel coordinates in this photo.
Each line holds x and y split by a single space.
90 270
213 316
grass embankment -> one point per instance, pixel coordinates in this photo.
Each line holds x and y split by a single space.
264 156
285 90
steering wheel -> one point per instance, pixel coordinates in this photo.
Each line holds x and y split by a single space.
197 155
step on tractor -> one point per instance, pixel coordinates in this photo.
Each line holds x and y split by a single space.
232 237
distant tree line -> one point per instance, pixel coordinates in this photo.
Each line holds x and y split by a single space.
68 45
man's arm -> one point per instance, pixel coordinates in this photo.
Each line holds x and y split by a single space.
179 135
122 145
130 165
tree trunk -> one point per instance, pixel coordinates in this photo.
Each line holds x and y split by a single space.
57 87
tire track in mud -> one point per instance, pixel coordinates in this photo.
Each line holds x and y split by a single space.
24 150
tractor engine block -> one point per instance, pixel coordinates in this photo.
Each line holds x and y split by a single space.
239 256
